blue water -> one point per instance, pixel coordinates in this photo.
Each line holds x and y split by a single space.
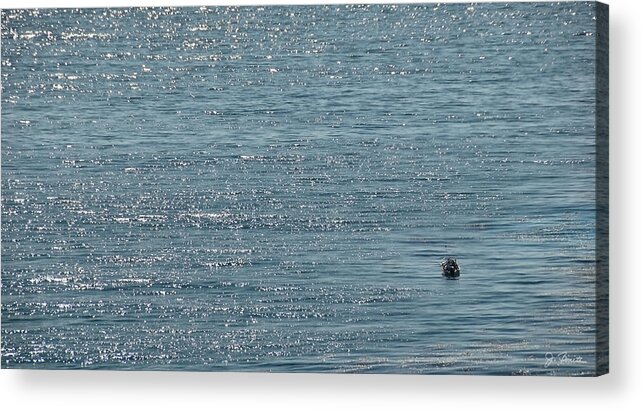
272 188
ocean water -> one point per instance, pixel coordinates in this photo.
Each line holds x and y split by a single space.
272 188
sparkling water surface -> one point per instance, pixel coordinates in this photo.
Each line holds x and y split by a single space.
272 188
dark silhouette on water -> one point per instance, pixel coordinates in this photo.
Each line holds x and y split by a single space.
450 268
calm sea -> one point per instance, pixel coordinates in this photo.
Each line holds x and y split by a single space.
272 188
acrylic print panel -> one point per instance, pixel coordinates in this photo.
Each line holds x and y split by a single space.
274 188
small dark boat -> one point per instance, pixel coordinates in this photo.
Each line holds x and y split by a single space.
450 268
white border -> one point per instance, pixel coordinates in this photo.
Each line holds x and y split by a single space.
110 389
